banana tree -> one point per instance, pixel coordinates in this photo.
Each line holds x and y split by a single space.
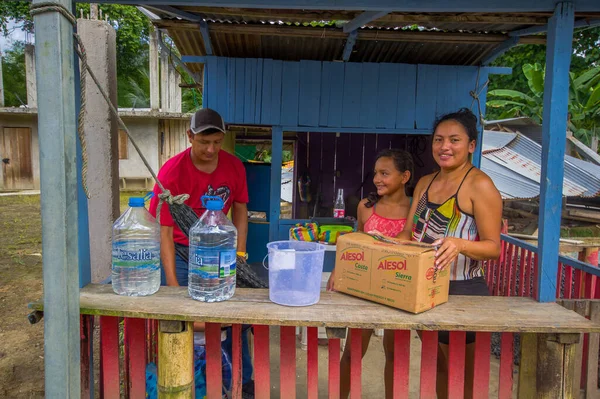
584 100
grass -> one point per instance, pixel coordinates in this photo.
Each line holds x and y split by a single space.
579 232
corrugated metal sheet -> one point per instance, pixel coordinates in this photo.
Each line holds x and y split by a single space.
290 48
513 161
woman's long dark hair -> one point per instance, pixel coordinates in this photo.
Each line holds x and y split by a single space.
402 161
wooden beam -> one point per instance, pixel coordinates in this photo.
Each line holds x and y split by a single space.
483 6
556 97
363 19
174 12
333 33
500 49
349 45
206 37
543 29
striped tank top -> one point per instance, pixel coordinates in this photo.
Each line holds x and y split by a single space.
435 221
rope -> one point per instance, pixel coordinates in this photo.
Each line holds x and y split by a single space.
165 195
476 93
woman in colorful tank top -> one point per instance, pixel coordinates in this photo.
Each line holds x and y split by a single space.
459 210
384 212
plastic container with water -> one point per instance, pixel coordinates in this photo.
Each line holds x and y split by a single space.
295 270
212 261
136 251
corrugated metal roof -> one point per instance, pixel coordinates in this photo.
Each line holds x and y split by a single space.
513 161
396 37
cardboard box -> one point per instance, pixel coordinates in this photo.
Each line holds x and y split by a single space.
394 273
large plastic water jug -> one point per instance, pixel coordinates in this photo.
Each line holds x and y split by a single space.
295 269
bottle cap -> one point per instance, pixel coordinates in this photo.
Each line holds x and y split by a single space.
136 202
212 202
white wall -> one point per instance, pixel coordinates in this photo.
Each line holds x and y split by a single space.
24 120
145 134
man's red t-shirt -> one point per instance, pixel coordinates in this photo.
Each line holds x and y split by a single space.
180 176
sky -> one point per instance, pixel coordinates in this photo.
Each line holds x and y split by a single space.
16 34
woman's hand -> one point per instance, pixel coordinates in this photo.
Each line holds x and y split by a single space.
448 251
331 281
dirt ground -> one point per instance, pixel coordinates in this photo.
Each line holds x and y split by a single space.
22 346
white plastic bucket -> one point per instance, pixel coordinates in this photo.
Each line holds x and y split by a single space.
295 269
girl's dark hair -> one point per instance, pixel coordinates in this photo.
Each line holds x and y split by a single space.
402 161
465 117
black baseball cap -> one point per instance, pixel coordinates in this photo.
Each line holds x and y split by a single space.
206 119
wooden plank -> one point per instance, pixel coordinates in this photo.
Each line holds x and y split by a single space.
559 275
481 366
262 380
310 93
236 361
259 91
327 171
519 289
509 269
505 381
446 100
240 93
327 71
592 358
211 76
427 81
312 362
276 92
355 363
176 364
250 306
406 111
578 284
401 363
87 351
136 353
529 274
287 365
456 364
231 89
568 294
353 76
579 364
290 91
429 353
528 367
109 357
250 91
333 384
387 105
214 375
336 94
267 94
369 95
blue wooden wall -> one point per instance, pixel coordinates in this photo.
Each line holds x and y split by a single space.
335 94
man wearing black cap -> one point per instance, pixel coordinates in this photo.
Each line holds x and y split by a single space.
202 169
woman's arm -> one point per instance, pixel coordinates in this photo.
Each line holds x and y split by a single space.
487 211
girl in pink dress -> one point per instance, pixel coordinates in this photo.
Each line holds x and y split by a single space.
383 212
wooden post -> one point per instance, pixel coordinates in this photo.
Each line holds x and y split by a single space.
556 97
528 366
176 360
556 361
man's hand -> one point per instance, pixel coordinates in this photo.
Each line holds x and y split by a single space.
331 281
